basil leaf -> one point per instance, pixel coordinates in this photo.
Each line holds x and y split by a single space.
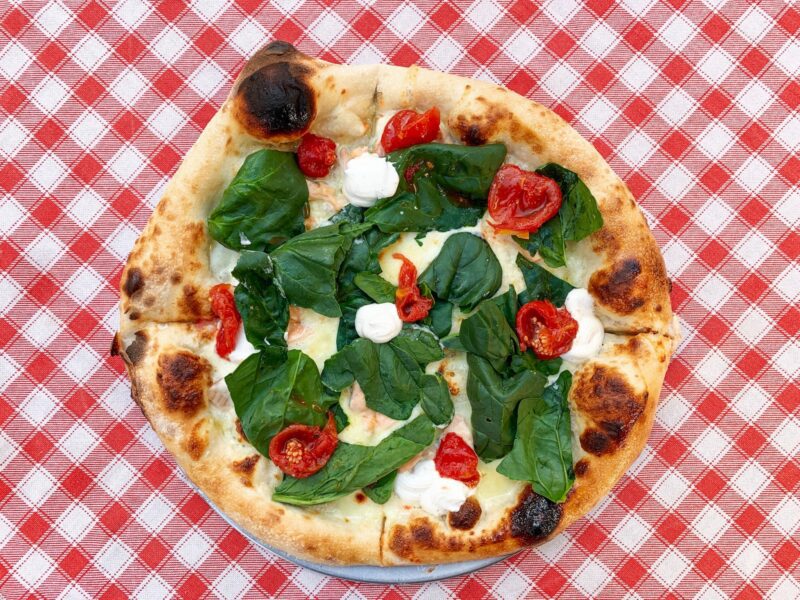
353 467
273 389
465 272
577 218
264 309
542 452
448 190
486 334
263 205
541 284
376 287
380 491
436 400
494 399
440 318
307 266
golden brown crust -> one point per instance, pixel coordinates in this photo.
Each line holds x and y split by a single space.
279 95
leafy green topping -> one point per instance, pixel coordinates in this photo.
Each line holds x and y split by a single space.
486 333
577 218
541 284
380 491
436 400
448 189
376 287
465 272
542 452
275 388
264 309
352 467
263 205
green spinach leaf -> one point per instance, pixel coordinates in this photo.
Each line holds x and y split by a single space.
448 187
380 491
307 266
353 467
419 343
494 399
577 218
263 205
376 287
486 333
262 305
436 400
541 284
542 452
465 272
275 388
528 360
440 318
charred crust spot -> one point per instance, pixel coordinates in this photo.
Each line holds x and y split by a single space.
183 378
581 467
149 300
245 468
535 517
116 346
240 430
190 300
620 288
361 498
277 100
466 516
133 282
607 399
197 442
135 352
176 278
473 136
134 315
422 534
279 47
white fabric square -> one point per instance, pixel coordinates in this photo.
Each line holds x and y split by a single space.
714 216
86 207
631 533
9 369
193 549
785 515
788 133
78 442
751 402
84 284
787 360
8 450
483 14
117 477
310 581
91 52
120 243
786 587
39 407
753 324
248 37
42 328
512 585
117 398
13 215
129 86
673 411
560 80
750 480
598 114
637 148
444 53
7 531
155 513
712 445
113 558
126 164
677 32
33 568
675 182
600 39
367 54
50 94
716 65
711 523
715 140
522 46
638 73
88 129
405 21
52 18
207 79
754 174
753 249
713 368
327 28
170 44
671 567
36 487
14 59
153 588
233 583
753 24
788 282
638 8
209 10
45 250
48 172
787 438
713 291
131 12
754 98
10 293
591 577
676 107
788 57
677 257
75 522
561 11
12 137
749 559
671 489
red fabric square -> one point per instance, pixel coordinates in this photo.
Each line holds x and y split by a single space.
599 77
41 367
472 588
675 219
83 323
130 48
79 402
11 98
714 178
561 43
791 94
752 363
631 493
790 320
10 176
754 136
791 170
638 110
127 125
34 527
204 114
677 374
748 592
600 7
77 482
592 537
171 9
49 133
43 289
750 441
87 168
638 36
38 446
367 24
157 472
710 563
753 211
716 28
406 56
523 10
233 543
522 82
790 21
789 398
209 40
126 202
113 592
272 580
675 144
46 212
14 21
195 508
193 587
677 69
51 56
153 553
672 450
166 160
754 61
90 90
750 519
445 16
118 437
551 581
288 31
715 329
631 572
710 484
787 554
91 14
713 254
73 562
715 103
712 406
789 475
753 287
115 517
168 83
483 50
671 528
7 333
85 246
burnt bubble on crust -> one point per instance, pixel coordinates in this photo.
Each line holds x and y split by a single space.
535 517
613 407
466 516
135 351
621 286
183 378
134 282
277 100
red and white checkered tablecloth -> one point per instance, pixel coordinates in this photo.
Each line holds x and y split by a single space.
694 104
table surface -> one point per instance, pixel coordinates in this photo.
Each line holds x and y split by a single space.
694 105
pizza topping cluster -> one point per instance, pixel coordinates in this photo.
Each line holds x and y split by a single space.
517 328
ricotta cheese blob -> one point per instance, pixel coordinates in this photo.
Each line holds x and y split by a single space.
423 486
368 178
589 339
378 322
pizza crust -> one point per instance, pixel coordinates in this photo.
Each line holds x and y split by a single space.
280 95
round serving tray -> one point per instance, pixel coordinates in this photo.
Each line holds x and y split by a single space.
366 573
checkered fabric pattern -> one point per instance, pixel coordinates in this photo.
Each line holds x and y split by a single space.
694 104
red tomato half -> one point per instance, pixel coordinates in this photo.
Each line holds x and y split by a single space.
224 307
302 450
455 459
409 128
316 155
522 200
548 330
412 306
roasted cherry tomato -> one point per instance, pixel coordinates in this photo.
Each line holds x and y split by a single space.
316 155
408 128
522 200
302 450
455 459
548 330
224 307
412 306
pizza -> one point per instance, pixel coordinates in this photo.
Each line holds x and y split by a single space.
386 315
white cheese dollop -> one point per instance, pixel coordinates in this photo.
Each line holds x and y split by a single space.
243 348
423 486
589 339
368 178
378 322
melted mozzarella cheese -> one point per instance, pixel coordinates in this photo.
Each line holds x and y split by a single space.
221 261
367 427
424 487
368 178
589 339
378 322
312 333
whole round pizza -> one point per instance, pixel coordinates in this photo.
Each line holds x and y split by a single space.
385 315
